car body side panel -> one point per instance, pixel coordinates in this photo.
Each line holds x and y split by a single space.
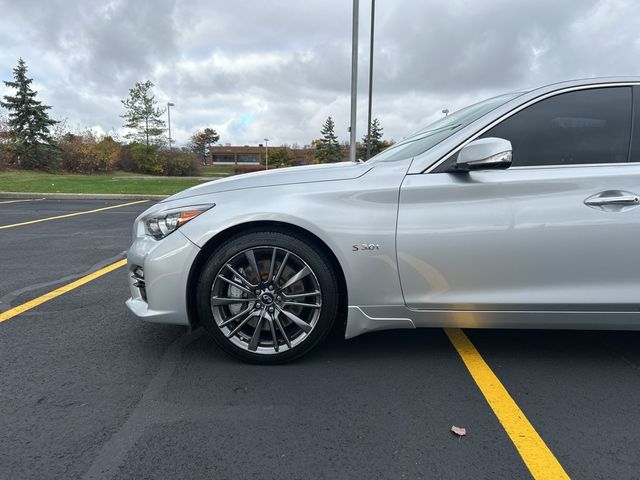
519 239
372 318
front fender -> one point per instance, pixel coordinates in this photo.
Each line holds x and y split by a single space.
340 213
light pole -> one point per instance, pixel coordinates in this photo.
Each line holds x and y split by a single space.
169 105
354 80
373 16
266 153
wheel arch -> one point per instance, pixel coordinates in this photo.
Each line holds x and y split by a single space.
264 225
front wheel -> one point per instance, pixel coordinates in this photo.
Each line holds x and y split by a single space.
267 297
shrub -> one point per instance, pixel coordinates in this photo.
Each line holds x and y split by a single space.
6 157
238 169
4 160
83 153
180 163
280 157
145 159
125 159
41 157
108 151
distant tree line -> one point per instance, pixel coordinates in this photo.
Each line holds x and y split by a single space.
329 150
31 139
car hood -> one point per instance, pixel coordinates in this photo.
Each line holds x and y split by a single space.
281 176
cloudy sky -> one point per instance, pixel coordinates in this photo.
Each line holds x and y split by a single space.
277 68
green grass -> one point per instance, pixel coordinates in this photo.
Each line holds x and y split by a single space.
119 182
217 170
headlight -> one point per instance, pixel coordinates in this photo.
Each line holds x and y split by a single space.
161 224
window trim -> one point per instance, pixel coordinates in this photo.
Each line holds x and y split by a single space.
634 146
634 106
533 101
573 165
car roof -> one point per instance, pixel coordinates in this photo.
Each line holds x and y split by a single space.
587 81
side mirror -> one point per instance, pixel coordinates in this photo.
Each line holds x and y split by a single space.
484 154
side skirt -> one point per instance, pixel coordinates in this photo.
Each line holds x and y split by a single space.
371 318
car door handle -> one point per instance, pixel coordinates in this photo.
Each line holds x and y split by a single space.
621 200
614 199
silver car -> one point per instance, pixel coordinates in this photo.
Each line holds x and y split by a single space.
520 211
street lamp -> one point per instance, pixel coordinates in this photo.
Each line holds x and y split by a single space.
169 105
266 153
373 17
354 80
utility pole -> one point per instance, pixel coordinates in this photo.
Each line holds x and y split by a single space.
266 153
354 81
169 105
373 16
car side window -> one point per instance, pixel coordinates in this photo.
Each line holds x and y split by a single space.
581 127
635 137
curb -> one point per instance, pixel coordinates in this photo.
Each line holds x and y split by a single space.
82 196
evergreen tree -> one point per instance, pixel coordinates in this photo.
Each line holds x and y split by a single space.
29 136
143 116
377 145
328 150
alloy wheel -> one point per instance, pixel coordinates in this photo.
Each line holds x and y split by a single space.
266 300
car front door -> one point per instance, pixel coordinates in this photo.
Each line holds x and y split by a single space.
559 230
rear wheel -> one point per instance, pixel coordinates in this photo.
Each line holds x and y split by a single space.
267 297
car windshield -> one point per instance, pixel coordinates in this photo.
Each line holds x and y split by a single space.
432 134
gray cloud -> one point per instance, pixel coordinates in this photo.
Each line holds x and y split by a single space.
277 69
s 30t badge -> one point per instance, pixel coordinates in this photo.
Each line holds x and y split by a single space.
364 246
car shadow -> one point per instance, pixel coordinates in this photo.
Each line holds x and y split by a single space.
379 346
557 345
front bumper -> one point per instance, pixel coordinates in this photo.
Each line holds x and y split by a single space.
162 295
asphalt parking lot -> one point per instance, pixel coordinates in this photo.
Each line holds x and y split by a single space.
87 391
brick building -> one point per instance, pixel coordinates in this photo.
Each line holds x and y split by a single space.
246 155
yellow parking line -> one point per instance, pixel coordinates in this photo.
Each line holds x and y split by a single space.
57 217
59 291
24 200
536 455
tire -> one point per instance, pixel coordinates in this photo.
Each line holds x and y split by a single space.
277 315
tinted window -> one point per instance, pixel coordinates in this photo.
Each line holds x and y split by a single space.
587 126
635 147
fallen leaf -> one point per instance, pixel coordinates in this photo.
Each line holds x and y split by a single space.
460 431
